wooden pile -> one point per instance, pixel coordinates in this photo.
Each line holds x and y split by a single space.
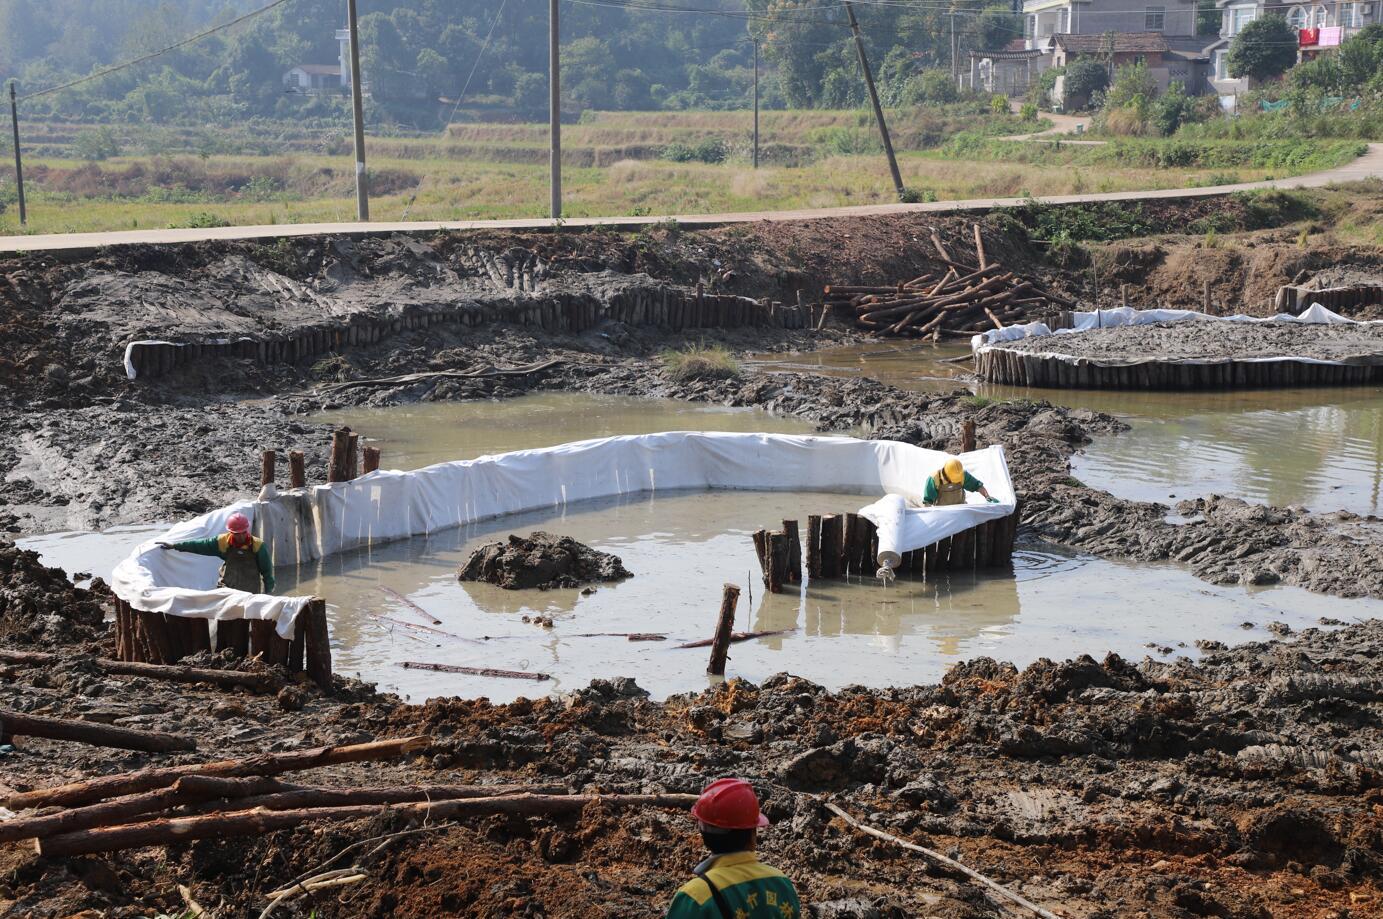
960 301
177 804
839 545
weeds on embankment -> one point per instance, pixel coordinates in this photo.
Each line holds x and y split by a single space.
701 362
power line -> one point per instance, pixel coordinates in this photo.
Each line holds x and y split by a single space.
116 68
474 66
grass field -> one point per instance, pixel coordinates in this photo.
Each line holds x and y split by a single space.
615 165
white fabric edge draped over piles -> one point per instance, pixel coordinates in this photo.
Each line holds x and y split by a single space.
308 524
1127 315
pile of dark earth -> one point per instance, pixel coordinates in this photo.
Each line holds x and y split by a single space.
543 561
1246 785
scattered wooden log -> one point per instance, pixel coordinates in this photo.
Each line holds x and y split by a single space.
424 614
409 378
725 628
120 810
267 764
292 797
15 724
734 637
164 832
476 671
176 673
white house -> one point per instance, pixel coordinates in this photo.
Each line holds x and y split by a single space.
323 78
314 78
1320 28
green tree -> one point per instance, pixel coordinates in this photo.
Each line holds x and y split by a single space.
1085 76
1264 49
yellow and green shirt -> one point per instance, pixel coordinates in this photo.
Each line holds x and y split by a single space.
218 547
752 889
930 492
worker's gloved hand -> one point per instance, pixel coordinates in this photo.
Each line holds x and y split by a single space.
164 545
992 500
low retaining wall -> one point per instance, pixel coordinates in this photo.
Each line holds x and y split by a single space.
1018 368
662 306
1053 368
1332 298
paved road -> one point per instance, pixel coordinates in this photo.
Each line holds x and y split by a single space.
1370 165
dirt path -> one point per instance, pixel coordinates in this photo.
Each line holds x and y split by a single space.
1062 125
1368 166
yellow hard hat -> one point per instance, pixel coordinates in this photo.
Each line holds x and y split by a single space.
955 472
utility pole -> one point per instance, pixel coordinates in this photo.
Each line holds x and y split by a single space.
954 56
18 162
554 68
756 105
362 188
874 100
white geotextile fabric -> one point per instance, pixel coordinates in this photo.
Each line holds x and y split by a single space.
1127 315
182 584
307 524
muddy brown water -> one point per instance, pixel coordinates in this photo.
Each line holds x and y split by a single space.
1319 447
683 547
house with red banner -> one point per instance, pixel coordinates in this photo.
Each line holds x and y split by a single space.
1320 27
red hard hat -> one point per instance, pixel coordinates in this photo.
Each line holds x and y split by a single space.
238 523
729 804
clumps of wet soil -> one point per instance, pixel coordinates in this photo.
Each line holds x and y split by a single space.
1212 340
40 606
1247 785
543 561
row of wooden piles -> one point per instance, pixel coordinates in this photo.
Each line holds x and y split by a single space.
841 545
1020 368
956 300
1338 299
158 638
661 305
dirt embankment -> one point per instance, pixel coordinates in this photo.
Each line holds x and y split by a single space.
1247 785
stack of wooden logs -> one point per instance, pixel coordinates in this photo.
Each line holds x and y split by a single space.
956 300
839 545
178 804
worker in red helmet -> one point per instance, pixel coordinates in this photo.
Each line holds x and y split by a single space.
245 558
733 883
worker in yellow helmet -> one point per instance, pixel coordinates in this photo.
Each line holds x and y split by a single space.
949 484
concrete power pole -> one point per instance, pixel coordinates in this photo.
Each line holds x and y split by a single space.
362 187
955 69
555 106
874 101
756 105
18 161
